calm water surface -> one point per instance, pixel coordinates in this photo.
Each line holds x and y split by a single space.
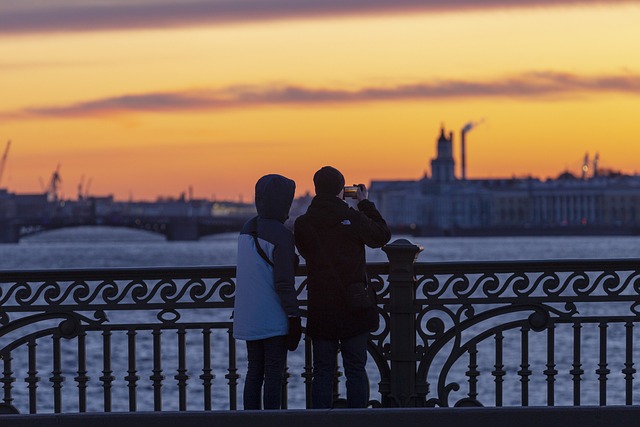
89 247
100 247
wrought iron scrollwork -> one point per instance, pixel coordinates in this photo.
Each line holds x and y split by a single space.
70 327
538 320
454 301
454 315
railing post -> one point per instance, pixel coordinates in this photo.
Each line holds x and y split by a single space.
402 255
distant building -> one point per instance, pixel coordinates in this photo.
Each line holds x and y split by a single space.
234 209
443 204
443 166
7 205
28 205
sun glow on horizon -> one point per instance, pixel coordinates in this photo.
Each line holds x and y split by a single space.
155 111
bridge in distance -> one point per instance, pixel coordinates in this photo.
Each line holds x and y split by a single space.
177 219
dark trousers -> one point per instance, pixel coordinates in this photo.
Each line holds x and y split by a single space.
354 360
266 362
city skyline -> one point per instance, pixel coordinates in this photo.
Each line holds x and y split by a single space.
149 99
586 169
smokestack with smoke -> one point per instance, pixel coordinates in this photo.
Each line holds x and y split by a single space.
466 128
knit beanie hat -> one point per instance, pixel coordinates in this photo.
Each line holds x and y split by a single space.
328 181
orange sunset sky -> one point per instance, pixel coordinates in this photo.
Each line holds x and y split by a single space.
150 97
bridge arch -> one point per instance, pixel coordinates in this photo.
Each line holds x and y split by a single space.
93 233
174 229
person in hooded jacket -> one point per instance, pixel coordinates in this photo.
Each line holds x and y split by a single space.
331 236
266 312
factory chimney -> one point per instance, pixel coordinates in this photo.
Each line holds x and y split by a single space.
463 156
463 149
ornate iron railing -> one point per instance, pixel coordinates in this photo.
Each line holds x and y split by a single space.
451 334
562 331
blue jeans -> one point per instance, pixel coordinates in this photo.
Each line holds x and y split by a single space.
266 362
354 359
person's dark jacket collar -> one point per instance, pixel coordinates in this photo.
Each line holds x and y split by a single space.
327 210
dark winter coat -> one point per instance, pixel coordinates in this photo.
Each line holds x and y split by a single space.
332 233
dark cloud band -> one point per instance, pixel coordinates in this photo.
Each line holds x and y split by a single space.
66 16
536 85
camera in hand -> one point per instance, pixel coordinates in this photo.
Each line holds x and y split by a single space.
350 191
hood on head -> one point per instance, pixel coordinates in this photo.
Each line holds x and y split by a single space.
274 195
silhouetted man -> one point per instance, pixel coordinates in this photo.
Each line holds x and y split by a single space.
331 236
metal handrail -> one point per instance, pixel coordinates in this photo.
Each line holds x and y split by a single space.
446 333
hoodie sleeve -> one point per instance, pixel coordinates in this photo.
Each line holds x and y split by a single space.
372 227
284 276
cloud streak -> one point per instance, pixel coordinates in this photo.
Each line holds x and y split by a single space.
527 86
71 16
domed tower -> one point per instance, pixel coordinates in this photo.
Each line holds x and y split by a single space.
443 166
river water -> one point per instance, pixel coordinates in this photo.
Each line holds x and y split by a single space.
104 247
89 247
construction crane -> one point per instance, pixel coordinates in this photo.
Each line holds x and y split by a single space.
80 185
3 161
87 187
52 189
83 190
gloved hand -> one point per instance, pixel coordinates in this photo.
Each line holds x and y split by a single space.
295 333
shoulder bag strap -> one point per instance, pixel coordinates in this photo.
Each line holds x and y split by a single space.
260 250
